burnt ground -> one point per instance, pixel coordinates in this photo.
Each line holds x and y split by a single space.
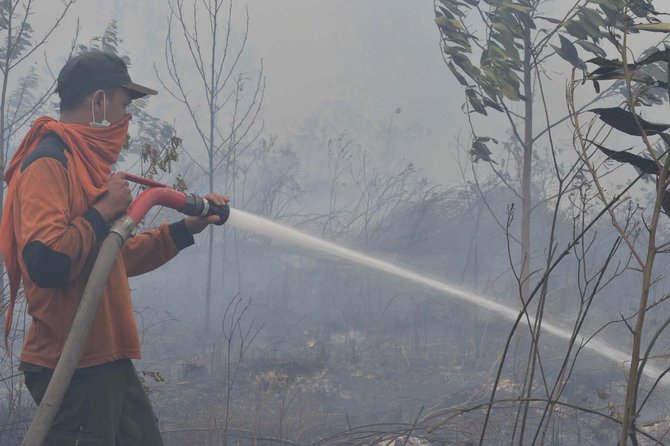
337 367
322 386
325 387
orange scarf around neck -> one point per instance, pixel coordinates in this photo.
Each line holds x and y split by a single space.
93 152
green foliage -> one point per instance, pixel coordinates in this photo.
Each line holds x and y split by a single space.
649 74
151 132
489 64
491 61
568 51
22 101
19 32
641 79
648 78
592 48
156 161
480 150
109 42
587 24
22 104
645 165
626 122
494 70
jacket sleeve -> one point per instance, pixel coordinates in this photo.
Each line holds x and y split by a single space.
54 245
150 249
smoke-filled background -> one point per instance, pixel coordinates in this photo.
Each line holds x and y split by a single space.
344 120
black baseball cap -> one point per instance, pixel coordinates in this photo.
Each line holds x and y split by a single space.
96 70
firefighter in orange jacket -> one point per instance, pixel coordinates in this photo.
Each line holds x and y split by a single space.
61 200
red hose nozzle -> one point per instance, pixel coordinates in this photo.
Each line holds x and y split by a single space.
186 203
160 194
144 181
155 196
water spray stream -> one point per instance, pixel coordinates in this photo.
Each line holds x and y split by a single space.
261 226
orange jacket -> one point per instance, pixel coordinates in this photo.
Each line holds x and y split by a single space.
57 235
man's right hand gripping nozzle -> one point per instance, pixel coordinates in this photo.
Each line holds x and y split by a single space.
113 203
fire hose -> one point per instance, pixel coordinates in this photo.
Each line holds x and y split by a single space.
157 194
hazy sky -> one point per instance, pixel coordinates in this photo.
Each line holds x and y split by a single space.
348 60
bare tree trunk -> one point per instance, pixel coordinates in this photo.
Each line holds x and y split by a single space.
632 382
210 253
525 214
527 165
3 148
214 63
211 149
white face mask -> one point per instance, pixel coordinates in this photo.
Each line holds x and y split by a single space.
104 123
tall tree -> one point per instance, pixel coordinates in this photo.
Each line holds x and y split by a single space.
497 62
228 123
643 84
496 50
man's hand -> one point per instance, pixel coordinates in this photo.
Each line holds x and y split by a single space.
116 200
196 225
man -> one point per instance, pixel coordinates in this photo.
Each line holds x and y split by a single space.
60 203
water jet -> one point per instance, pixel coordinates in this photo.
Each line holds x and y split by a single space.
268 228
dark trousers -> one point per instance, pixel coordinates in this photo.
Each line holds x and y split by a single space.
105 405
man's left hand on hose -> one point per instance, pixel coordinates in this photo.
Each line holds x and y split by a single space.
195 225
